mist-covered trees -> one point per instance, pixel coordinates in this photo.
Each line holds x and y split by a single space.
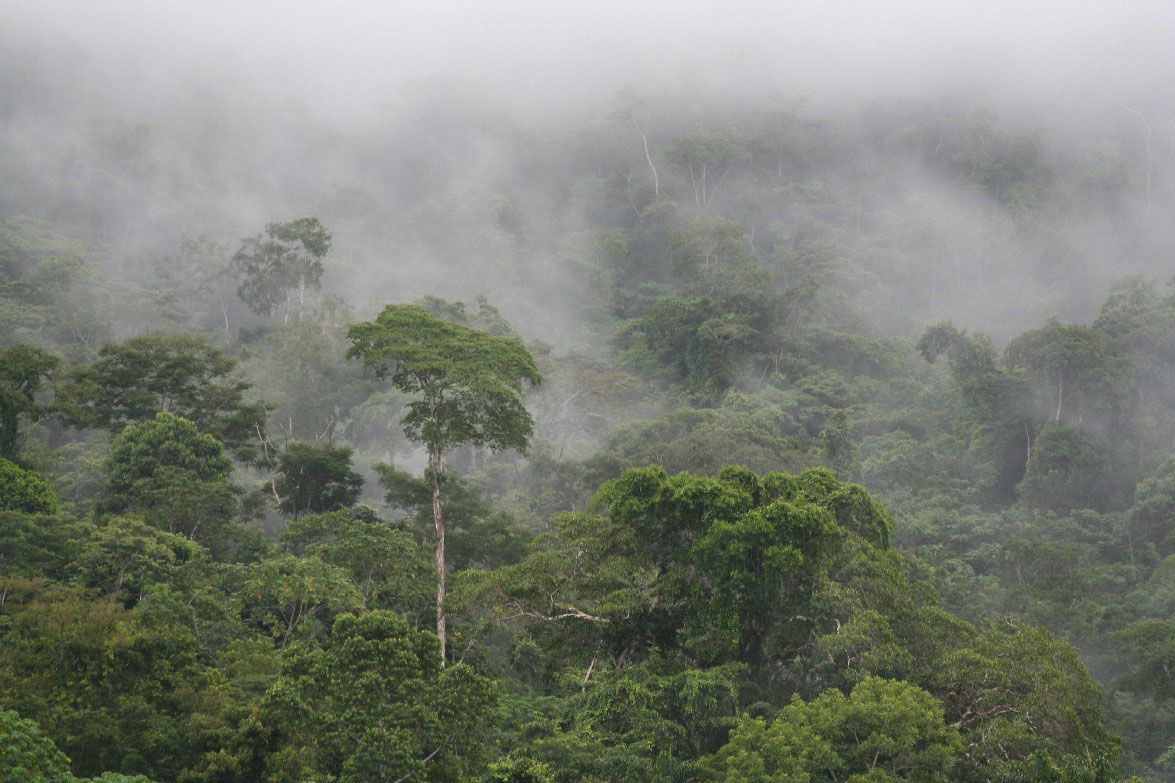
1069 469
730 299
1052 416
46 289
281 264
1152 516
1066 365
701 336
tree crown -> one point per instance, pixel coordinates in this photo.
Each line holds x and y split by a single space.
469 384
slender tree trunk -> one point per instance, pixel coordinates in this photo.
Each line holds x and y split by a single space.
439 520
648 157
221 298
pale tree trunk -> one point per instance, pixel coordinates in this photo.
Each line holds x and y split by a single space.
644 134
220 297
714 190
439 520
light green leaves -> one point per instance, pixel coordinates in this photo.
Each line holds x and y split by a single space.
885 730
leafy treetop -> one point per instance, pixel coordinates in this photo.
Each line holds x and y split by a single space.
469 382
23 370
187 376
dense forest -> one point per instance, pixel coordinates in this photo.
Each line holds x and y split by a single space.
696 436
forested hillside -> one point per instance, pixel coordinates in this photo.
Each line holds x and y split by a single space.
696 436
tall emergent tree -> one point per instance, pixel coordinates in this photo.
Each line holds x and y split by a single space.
467 390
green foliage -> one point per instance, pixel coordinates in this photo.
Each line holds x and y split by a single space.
693 341
1023 700
375 702
995 427
477 535
468 383
839 450
1069 469
126 554
23 371
35 544
174 476
1151 645
25 491
742 431
1153 513
1144 698
678 561
27 755
643 722
130 382
760 272
113 689
292 598
884 730
465 387
316 478
281 264
303 370
713 258
520 771
486 318
789 576
386 563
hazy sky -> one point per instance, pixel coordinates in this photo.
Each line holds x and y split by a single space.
355 55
